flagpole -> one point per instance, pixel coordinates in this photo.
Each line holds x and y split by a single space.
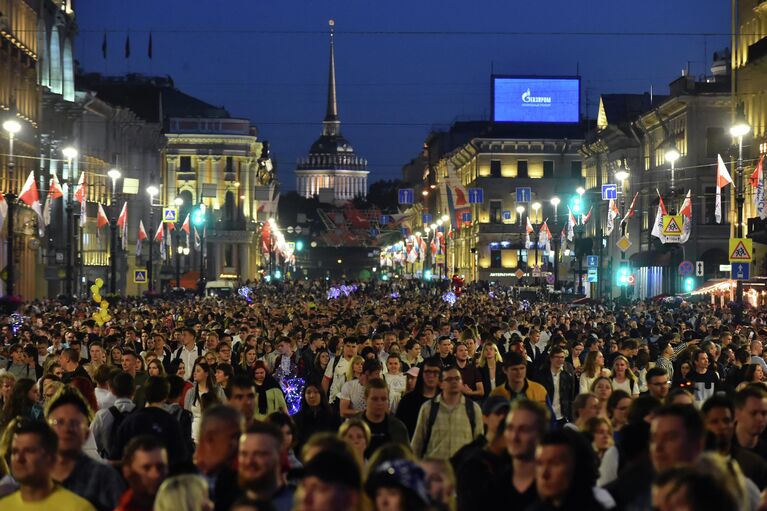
12 127
114 174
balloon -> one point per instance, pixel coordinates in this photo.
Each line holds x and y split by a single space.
97 298
96 316
95 289
104 304
99 282
107 317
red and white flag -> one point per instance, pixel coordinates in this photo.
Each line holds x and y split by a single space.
571 222
54 188
544 236
81 192
612 214
122 223
630 212
686 211
140 238
185 225
585 219
657 228
3 209
159 234
102 219
528 231
722 179
29 193
757 183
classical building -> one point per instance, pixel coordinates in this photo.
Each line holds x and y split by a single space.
332 163
500 158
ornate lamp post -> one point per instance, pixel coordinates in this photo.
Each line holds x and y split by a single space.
738 130
70 153
12 127
114 175
152 191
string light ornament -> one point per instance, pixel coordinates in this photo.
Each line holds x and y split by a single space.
336 292
292 386
394 295
333 293
246 293
17 321
449 297
491 294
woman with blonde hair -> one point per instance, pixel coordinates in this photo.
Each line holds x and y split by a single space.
593 368
186 492
356 433
490 365
623 377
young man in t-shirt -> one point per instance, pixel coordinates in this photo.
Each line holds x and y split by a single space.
335 374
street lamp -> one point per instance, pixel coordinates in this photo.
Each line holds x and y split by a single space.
12 126
70 153
520 211
114 175
739 129
152 190
536 207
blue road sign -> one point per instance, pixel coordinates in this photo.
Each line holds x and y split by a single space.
466 217
427 218
476 195
592 261
524 194
592 275
385 219
406 195
741 271
506 214
609 191
139 276
686 268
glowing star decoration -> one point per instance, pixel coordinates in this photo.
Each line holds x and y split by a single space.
333 293
491 294
17 320
292 386
449 297
395 295
246 293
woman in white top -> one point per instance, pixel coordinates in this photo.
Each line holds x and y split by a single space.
202 376
395 380
623 378
593 368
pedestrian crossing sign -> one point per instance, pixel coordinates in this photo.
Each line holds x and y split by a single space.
741 250
672 225
139 276
169 215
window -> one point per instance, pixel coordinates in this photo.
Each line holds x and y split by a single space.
576 168
496 215
522 169
495 168
548 169
495 258
229 164
522 258
185 164
716 142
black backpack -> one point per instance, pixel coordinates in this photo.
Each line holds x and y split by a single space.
434 410
117 419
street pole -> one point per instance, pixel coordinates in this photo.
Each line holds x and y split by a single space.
10 200
70 233
114 174
555 202
150 269
740 200
178 257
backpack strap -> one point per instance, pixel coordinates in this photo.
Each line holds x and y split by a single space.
433 411
470 413
116 413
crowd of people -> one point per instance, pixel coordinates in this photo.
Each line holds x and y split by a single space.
392 396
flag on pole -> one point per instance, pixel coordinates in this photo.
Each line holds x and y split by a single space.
612 214
159 234
185 225
630 212
657 228
3 209
81 196
102 219
722 179
140 238
563 239
197 241
54 188
686 211
122 223
757 183
570 224
30 196
104 47
528 231
47 211
544 236
585 219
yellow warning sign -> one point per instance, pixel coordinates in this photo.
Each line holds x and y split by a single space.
741 250
624 244
672 225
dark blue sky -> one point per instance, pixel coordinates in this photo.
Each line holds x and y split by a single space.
403 66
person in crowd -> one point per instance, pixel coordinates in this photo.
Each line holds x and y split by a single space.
32 454
490 366
585 406
398 485
517 385
593 368
335 373
216 454
288 429
189 351
356 433
658 382
427 387
23 402
258 466
144 467
618 409
600 431
602 388
440 482
703 377
751 419
69 360
384 427
187 492
622 377
315 414
470 374
448 421
395 379
68 415
269 395
352 398
203 378
331 482
241 395
687 487
107 421
559 384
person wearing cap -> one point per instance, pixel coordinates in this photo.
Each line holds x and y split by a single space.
517 385
331 482
398 485
352 397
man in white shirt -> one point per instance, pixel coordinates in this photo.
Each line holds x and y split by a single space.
352 394
335 374
188 352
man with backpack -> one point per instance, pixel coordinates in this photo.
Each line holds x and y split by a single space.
107 421
448 421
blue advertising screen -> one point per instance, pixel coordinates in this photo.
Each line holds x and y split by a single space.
536 99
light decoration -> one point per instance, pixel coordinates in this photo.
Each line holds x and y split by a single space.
17 320
449 297
394 295
246 293
292 386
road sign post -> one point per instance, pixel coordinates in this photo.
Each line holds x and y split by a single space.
169 215
476 195
406 195
140 276
609 192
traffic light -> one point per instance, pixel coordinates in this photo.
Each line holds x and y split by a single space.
198 217
576 205
427 275
623 275
689 285
299 245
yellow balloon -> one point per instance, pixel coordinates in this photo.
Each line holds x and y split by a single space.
95 289
96 316
104 304
99 282
97 298
107 317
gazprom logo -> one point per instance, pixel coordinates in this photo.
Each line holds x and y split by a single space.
531 100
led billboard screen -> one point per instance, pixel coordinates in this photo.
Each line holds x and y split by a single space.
535 99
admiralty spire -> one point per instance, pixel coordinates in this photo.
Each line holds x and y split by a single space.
331 162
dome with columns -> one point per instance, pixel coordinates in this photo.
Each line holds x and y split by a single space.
331 162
